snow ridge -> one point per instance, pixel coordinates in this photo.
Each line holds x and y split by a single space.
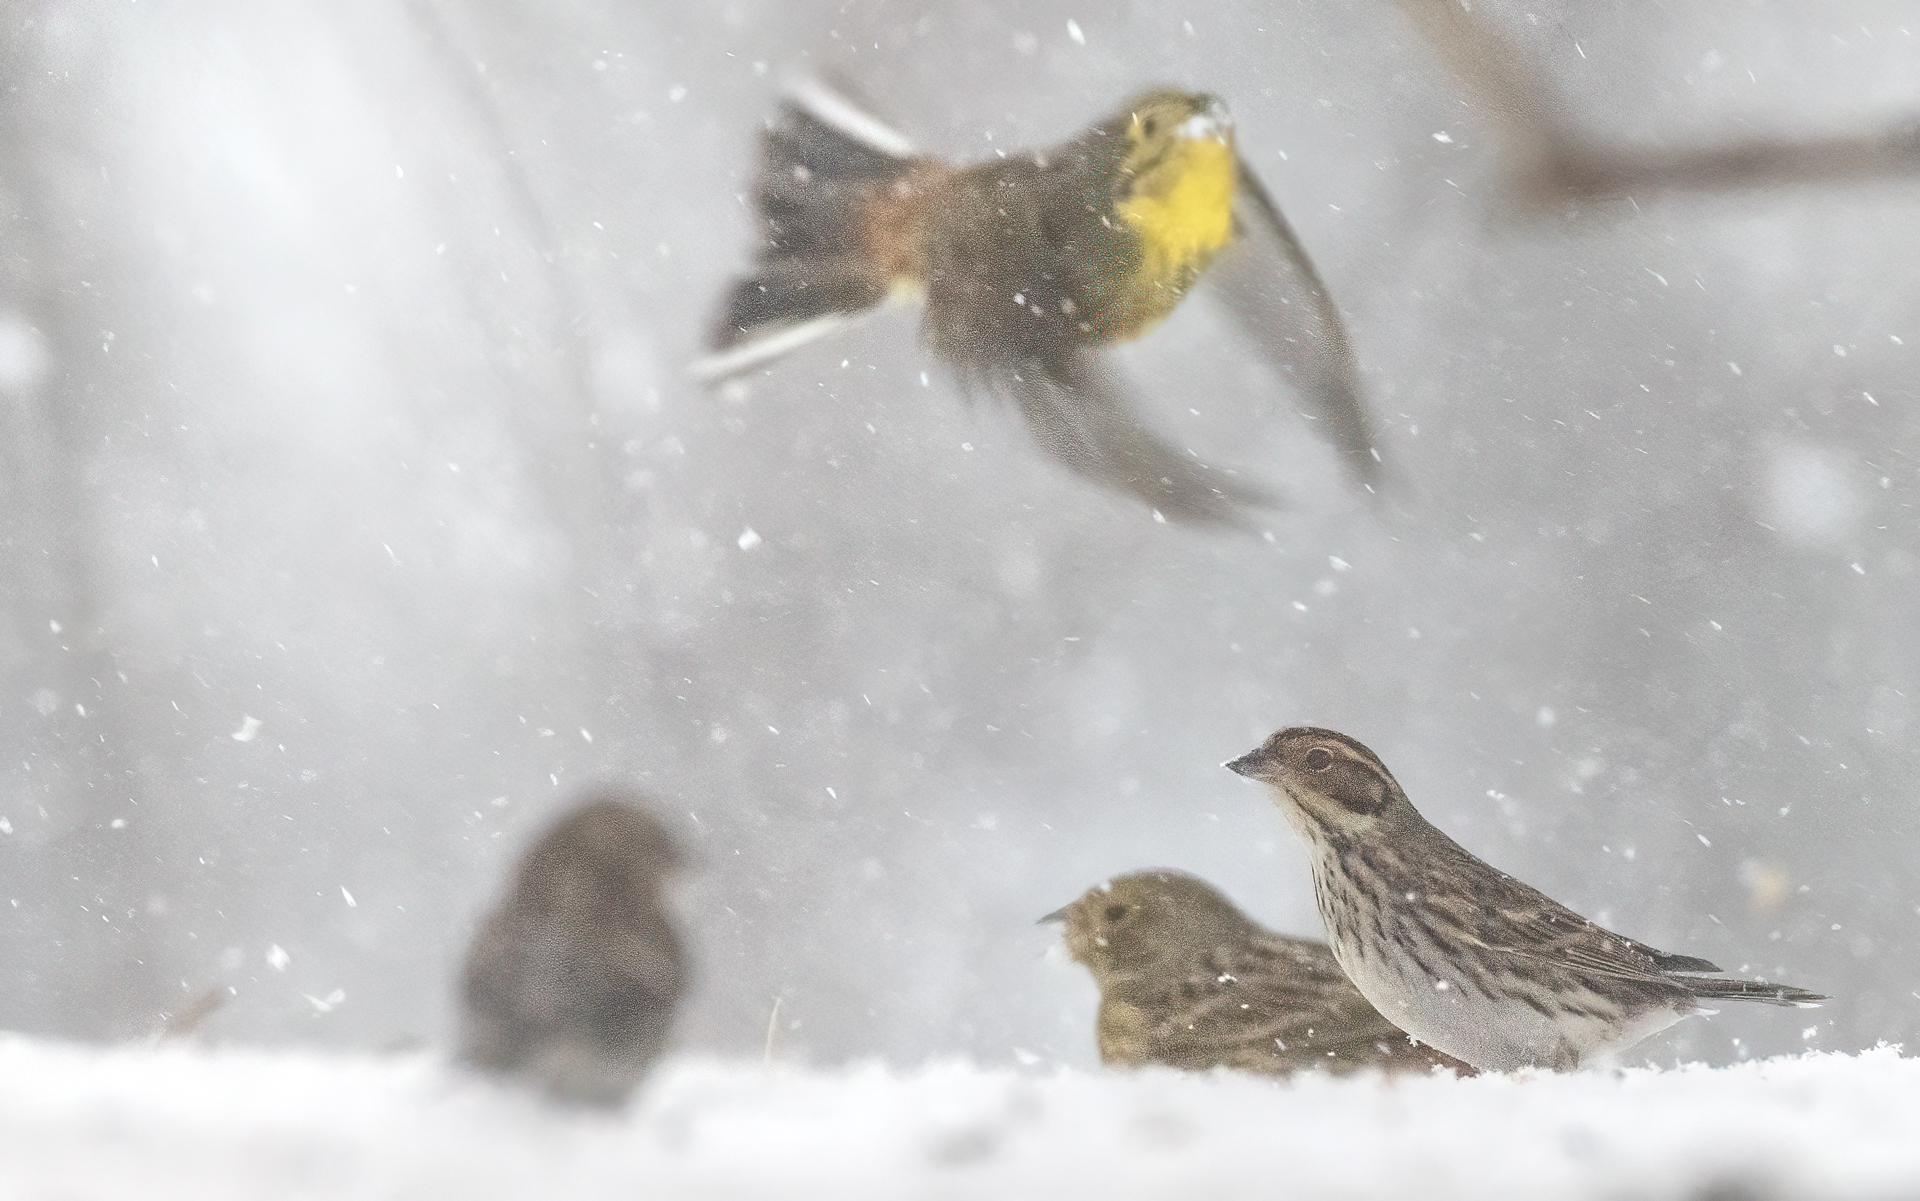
83 1122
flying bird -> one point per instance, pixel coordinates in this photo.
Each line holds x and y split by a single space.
1030 264
1189 981
1460 955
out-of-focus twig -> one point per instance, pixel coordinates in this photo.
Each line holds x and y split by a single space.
1581 170
1554 162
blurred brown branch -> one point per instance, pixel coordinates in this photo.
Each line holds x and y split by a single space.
1554 162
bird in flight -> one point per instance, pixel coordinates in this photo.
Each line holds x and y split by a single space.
1029 265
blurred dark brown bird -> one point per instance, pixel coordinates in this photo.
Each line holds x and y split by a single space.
1030 263
570 984
1188 981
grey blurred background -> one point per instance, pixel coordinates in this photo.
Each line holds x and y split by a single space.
357 514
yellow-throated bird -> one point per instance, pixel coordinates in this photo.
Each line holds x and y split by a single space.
1189 981
1030 263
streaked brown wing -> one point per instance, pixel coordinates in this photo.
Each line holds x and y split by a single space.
1564 935
1502 914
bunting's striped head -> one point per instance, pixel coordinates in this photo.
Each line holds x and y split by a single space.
1326 782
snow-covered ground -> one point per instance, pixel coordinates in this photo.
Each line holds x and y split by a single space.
79 1122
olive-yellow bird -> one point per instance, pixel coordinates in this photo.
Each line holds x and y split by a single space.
1189 981
1028 264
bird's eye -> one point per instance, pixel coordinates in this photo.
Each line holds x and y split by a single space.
1116 912
1319 759
1149 125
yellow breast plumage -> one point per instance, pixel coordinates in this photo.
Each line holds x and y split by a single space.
1183 223
1179 205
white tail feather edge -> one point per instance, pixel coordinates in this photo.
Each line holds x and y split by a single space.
748 355
831 108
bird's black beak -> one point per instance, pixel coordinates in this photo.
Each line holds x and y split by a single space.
1058 915
1247 765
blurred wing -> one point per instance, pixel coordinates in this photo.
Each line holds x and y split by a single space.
1271 286
1083 417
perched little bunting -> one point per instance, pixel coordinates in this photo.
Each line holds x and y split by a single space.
1458 954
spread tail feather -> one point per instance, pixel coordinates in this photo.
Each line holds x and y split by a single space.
821 161
1748 990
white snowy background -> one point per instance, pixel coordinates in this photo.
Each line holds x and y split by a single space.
246 1124
355 512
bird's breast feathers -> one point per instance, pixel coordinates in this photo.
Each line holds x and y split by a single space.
1183 212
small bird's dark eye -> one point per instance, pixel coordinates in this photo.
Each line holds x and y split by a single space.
1319 759
1116 912
1149 125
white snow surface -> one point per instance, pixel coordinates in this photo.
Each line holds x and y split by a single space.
85 1122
